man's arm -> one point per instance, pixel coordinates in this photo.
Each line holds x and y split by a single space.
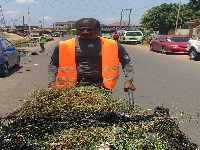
53 67
126 63
127 67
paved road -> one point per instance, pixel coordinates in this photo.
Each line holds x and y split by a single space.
31 75
171 81
161 80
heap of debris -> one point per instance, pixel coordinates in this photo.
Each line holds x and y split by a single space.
88 118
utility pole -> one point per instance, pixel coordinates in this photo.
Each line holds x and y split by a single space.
23 23
2 18
40 23
14 22
178 16
121 19
23 26
43 23
29 18
128 20
181 20
129 17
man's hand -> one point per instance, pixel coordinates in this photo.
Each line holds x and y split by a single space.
52 84
129 84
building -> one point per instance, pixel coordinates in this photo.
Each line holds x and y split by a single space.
65 25
120 26
194 28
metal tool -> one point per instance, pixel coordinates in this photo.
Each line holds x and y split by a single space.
131 98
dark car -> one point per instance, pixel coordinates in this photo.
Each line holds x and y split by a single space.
55 34
170 44
9 57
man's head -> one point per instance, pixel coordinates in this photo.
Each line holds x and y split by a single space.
88 28
87 22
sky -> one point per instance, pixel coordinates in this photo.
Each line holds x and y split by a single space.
47 12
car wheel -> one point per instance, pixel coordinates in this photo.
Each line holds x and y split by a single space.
151 48
193 54
17 65
5 72
163 50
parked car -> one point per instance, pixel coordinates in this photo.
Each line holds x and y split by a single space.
193 47
9 57
55 34
131 37
48 37
106 34
170 44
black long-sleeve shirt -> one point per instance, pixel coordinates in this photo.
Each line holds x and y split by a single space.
88 61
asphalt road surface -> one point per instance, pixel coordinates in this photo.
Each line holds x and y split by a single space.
171 81
31 75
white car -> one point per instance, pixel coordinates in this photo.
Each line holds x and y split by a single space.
193 47
106 34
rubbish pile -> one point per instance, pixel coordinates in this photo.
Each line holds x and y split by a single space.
88 118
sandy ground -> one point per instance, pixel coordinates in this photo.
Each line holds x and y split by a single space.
12 36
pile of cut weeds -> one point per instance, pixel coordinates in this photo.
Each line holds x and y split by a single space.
88 118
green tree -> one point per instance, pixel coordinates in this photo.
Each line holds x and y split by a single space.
161 18
192 10
194 2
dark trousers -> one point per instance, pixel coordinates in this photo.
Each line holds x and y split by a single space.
42 45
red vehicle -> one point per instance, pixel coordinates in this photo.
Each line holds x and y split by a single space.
170 44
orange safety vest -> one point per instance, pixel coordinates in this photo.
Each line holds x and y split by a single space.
67 73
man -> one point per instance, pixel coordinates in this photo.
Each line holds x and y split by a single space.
116 36
89 59
42 40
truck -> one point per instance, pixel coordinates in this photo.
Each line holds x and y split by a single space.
193 47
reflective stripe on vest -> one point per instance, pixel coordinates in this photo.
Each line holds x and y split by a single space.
110 62
67 73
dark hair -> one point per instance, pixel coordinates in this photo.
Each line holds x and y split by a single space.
87 22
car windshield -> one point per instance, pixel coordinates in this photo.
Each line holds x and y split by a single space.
133 34
105 32
177 39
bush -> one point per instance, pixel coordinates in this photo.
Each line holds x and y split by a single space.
147 39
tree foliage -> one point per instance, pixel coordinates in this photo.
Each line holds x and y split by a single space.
163 18
192 9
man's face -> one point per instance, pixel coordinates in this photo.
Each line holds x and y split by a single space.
88 33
